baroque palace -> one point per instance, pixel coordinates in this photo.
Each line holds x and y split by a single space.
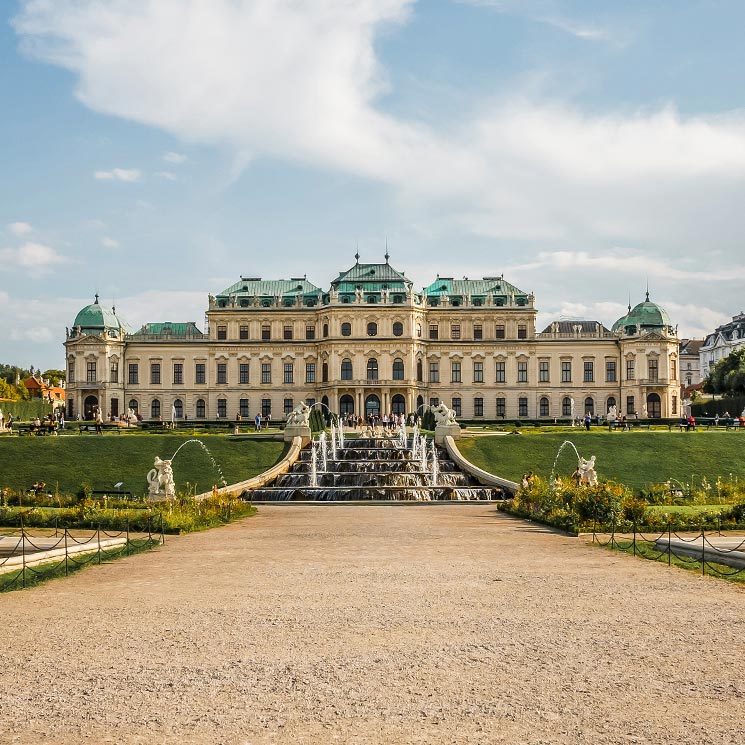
371 343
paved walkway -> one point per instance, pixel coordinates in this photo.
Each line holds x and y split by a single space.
392 624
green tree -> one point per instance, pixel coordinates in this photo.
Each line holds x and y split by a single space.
55 377
727 375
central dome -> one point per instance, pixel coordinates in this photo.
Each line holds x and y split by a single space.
646 316
94 318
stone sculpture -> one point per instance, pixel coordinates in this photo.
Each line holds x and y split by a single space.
160 480
587 471
443 416
300 415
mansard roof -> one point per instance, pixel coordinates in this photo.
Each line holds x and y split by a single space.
570 327
167 328
270 288
497 287
371 278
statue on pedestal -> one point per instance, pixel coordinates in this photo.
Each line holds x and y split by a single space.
160 480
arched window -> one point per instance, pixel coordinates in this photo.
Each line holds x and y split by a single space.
372 369
543 406
325 372
372 329
566 406
178 409
654 406
398 404
611 402
398 328
346 405
325 330
155 408
398 369
201 409
419 373
133 405
346 369
589 406
346 329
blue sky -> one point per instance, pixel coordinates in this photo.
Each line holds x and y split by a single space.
153 151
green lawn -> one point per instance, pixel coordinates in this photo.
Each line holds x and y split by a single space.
65 462
634 458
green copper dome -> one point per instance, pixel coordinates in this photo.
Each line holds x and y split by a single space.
646 316
94 318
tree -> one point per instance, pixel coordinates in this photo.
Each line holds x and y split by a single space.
55 377
727 375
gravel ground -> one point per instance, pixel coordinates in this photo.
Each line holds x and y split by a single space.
395 624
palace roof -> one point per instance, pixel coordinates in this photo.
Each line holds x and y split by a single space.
371 278
496 287
167 328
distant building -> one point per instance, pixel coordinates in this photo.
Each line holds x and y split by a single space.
369 344
690 364
725 340
40 388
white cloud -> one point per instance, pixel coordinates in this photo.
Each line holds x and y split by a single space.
108 242
127 175
36 334
167 175
36 258
174 158
20 228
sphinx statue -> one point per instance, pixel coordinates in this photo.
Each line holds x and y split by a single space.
160 480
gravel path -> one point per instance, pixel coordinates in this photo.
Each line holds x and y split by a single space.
348 624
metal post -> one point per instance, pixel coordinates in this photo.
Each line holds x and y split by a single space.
126 545
669 540
703 550
162 531
613 533
66 563
99 543
634 537
23 553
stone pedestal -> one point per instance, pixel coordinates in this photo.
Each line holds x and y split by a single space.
444 430
292 431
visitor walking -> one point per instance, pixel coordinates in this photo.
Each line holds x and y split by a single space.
257 422
588 421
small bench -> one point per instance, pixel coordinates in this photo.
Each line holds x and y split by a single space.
91 427
35 429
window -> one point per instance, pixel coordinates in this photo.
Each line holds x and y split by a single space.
325 330
610 371
522 372
243 408
500 376
434 372
674 404
71 373
522 331
456 407
310 332
566 406
90 372
287 332
653 371
222 408
289 373
455 372
372 369
419 330
589 372
114 372
543 371
566 371
266 373
155 373
398 328
478 372
346 329
178 409
134 405
288 404
434 402
266 332
200 409
455 331
222 372
346 369
155 408
134 375
522 406
200 372
589 406
310 372
499 331
178 373
630 374
243 333
673 370
325 372
478 331
543 406
372 329
398 369
434 331
478 407
630 405
266 407
243 373
501 407
222 332
419 372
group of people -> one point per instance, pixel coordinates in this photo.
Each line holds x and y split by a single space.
259 421
527 479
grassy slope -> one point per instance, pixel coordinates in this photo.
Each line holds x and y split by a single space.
635 458
102 461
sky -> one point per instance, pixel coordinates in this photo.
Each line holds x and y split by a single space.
153 151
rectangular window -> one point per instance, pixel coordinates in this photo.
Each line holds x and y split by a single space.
266 407
222 372
287 332
566 371
673 370
630 405
266 332
114 372
222 408
630 373
310 402
478 407
589 372
288 405
522 331
499 331
155 373
675 404
478 331
310 372
610 371
266 373
289 373
653 371
543 371
434 402
455 372
457 406
71 374
522 372
543 406
90 372
200 373
310 332
134 373
434 331
243 408
478 372
455 331
522 406
222 332
243 373
501 374
243 334
178 373
501 407
434 372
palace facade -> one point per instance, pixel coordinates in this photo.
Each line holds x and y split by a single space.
371 343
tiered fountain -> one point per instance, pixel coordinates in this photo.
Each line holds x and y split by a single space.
377 466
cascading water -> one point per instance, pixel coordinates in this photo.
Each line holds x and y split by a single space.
332 441
340 433
558 453
322 451
435 465
215 464
313 466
